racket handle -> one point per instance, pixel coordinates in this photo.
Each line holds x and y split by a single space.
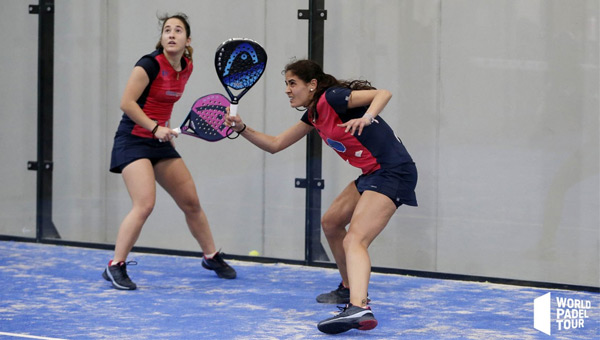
233 110
178 130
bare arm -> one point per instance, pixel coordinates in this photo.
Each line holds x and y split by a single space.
138 80
271 144
376 100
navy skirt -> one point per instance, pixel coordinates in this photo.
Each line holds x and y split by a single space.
397 183
128 148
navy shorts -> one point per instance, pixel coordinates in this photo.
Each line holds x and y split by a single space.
397 183
128 148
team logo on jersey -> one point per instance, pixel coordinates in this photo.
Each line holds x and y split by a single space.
335 145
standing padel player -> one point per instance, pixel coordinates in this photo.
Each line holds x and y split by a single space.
144 153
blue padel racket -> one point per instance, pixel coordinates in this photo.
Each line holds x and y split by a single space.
206 118
239 63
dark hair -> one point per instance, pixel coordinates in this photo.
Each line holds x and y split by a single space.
308 70
188 31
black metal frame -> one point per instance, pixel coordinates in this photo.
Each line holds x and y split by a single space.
313 183
44 226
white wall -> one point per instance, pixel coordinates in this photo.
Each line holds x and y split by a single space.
18 110
497 101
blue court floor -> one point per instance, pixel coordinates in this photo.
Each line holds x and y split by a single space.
57 292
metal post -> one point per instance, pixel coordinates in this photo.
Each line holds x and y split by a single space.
314 251
44 165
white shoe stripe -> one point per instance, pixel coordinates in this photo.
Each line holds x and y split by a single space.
355 315
112 279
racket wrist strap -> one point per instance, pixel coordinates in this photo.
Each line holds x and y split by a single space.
238 133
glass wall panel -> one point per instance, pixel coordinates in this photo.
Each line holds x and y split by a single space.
18 108
497 102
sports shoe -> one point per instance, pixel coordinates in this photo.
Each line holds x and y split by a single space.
117 275
350 317
219 265
339 296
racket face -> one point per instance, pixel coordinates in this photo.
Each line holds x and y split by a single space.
206 119
240 63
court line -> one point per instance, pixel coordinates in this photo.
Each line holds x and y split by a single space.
29 336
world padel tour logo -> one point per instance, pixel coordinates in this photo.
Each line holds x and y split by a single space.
570 314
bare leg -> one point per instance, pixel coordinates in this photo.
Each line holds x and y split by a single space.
334 223
370 217
139 180
175 178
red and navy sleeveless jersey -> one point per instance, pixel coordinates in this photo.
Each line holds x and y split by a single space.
165 88
377 147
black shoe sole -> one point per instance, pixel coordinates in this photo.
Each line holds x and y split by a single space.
336 328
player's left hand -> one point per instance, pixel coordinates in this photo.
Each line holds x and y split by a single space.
355 125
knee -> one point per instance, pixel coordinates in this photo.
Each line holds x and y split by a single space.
330 225
144 209
191 206
352 240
